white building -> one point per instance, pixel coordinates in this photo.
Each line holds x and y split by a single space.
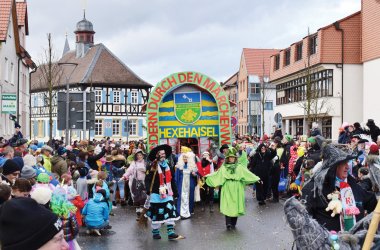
15 63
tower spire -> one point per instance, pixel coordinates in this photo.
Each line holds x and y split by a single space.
66 48
84 13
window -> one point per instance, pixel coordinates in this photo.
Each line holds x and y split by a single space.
134 99
116 96
6 73
41 128
299 47
299 126
268 106
133 127
98 96
326 127
276 62
313 45
115 127
287 57
98 127
295 90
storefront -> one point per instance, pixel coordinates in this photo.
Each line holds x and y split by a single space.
189 109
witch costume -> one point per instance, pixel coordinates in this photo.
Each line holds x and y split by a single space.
354 199
186 180
161 188
233 177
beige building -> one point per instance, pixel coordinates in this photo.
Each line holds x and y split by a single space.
344 62
252 87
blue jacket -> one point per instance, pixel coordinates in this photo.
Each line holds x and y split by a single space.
96 211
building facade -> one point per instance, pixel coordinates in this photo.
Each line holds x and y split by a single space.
256 95
230 86
340 63
119 92
15 64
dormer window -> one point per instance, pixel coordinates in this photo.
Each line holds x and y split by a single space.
277 62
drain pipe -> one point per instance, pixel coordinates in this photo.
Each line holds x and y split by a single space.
338 28
30 100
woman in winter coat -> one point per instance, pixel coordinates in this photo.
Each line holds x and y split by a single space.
137 170
118 169
261 164
96 213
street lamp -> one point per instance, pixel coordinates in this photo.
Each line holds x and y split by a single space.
74 65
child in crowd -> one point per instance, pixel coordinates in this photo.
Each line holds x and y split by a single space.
5 193
77 201
82 181
96 213
21 188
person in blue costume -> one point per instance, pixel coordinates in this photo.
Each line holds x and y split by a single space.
186 180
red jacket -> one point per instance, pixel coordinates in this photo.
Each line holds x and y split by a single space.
203 171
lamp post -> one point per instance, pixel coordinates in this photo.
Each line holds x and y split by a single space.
74 65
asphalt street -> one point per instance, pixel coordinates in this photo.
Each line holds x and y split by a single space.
263 227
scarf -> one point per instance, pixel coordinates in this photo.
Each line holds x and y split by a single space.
348 204
165 179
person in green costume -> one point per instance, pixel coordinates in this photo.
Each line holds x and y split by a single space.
233 177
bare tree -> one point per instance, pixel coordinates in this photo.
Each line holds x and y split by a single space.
50 74
313 102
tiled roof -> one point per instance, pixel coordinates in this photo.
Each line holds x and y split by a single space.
5 12
21 13
254 59
98 68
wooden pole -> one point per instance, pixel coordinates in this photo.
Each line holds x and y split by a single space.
372 228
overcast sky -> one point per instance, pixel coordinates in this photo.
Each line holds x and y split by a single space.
159 37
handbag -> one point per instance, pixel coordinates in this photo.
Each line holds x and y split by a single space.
138 191
282 185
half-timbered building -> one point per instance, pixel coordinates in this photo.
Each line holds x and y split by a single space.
119 92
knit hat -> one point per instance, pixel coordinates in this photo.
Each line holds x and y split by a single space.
24 224
311 140
288 138
374 149
19 161
41 194
28 172
370 122
43 178
69 148
206 153
61 150
10 166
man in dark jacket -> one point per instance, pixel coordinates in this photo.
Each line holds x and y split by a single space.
261 164
332 176
92 158
374 130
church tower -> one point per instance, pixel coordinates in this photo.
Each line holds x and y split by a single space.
84 36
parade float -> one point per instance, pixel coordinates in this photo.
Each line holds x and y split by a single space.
189 109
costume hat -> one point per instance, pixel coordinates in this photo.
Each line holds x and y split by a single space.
154 151
232 152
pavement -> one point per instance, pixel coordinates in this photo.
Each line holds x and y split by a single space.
263 227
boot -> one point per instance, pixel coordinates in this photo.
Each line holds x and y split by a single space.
211 207
171 233
203 206
156 234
